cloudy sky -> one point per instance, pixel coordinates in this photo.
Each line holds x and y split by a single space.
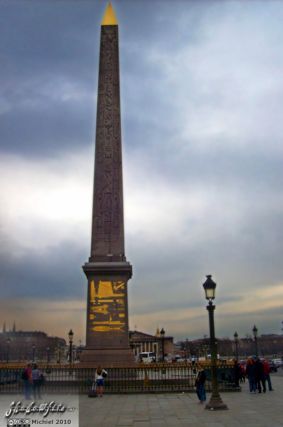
202 108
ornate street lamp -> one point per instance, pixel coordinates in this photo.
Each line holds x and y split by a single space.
162 334
71 336
33 353
236 341
215 402
255 331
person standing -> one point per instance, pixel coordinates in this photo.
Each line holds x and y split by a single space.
27 379
100 374
259 375
243 373
237 372
36 381
250 372
200 386
266 372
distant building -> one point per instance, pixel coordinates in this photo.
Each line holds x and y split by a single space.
30 345
140 342
268 345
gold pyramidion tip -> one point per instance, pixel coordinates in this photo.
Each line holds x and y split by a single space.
109 16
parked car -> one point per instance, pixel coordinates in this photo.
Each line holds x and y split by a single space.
277 362
147 357
273 367
181 359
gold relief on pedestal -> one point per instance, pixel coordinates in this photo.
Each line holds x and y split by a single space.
107 306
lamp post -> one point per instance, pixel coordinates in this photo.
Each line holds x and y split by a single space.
71 336
162 334
79 352
236 341
8 350
33 353
187 349
48 354
215 402
255 331
59 354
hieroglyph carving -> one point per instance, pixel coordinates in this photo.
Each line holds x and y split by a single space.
108 194
107 306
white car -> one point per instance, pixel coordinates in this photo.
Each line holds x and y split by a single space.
147 357
277 362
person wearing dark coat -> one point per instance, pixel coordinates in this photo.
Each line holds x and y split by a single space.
200 386
259 375
250 372
237 372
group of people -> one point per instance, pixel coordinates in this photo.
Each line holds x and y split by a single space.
256 370
32 378
258 374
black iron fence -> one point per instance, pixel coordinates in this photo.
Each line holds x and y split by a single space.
140 379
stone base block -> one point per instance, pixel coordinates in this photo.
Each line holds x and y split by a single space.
107 358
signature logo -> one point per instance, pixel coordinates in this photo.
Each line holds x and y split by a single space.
43 409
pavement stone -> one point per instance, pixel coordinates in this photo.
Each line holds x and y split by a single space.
183 409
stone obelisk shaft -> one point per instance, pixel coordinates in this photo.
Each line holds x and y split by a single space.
107 332
107 241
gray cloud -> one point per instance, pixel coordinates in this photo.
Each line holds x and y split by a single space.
201 96
54 273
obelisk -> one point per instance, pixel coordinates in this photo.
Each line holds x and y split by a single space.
107 270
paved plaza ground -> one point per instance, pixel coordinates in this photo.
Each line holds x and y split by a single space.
173 410
153 410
